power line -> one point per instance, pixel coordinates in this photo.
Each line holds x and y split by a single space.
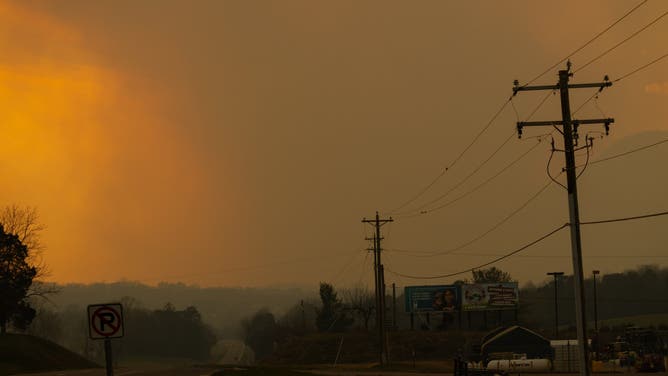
491 229
364 271
484 162
504 256
418 211
623 219
468 254
641 68
476 188
629 152
547 168
588 42
585 102
246 268
622 42
344 268
454 162
467 177
490 262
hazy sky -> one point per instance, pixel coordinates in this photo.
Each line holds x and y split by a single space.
241 142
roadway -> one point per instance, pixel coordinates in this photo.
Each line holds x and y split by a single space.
143 371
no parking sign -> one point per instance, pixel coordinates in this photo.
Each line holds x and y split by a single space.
105 321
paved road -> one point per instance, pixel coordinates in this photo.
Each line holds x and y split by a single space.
236 353
147 371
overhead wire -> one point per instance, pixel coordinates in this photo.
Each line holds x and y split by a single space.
363 270
641 68
622 42
476 188
244 268
585 102
341 271
623 219
641 148
548 256
586 163
491 229
587 43
454 162
543 237
467 177
419 210
475 139
547 169
509 254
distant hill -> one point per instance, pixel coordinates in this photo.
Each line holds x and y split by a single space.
23 353
221 307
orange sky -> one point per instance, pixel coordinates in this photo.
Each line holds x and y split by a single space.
240 143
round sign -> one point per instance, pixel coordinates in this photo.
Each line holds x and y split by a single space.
106 321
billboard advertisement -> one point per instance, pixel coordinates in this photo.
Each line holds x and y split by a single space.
489 296
440 298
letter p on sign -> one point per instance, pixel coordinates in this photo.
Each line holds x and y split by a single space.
105 321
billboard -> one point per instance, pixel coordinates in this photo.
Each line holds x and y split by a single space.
440 298
489 296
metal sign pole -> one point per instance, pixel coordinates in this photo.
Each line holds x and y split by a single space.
108 357
105 321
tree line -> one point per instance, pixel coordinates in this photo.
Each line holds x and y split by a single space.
634 292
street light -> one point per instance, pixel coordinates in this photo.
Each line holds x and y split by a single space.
595 273
556 304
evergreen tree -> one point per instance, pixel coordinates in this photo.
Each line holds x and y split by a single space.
331 317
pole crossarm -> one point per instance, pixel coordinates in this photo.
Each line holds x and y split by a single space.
574 122
600 85
561 122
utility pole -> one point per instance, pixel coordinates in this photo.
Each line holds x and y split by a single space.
394 306
570 132
379 281
595 273
596 344
556 304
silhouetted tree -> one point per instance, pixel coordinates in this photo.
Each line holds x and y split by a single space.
361 302
260 333
331 317
25 224
490 275
167 332
16 277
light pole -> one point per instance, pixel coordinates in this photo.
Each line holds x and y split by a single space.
556 304
595 273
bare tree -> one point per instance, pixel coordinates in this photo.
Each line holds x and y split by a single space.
360 300
23 221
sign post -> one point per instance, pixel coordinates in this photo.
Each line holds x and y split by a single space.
105 321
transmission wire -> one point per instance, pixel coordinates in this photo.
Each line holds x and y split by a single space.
587 43
622 42
454 162
487 263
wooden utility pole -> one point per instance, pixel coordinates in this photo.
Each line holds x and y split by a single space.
556 303
379 282
570 133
